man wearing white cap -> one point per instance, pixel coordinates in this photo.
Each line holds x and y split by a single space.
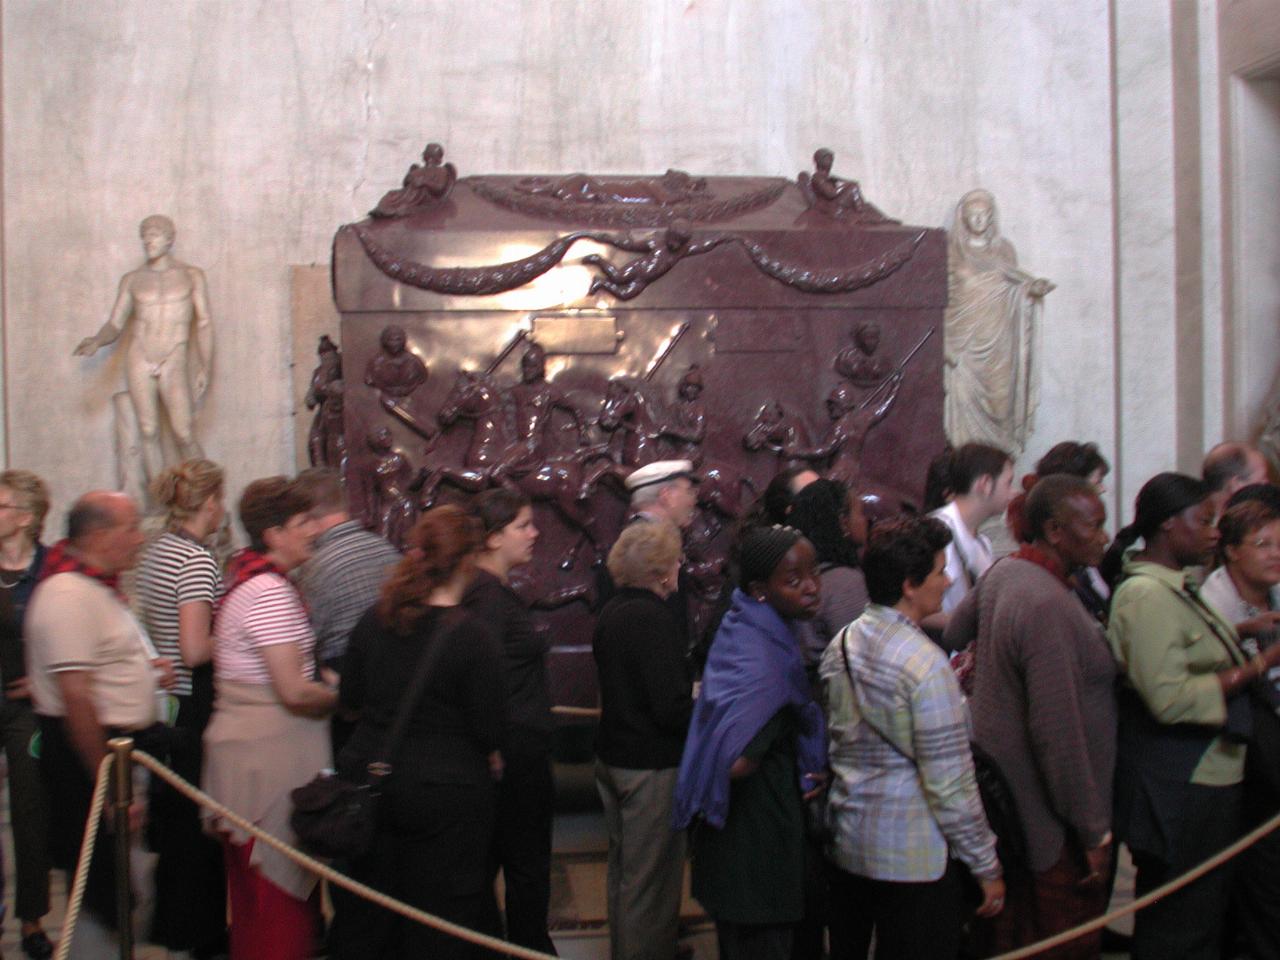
663 490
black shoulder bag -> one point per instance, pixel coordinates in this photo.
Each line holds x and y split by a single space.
335 817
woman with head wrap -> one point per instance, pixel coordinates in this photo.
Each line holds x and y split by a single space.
1184 716
831 517
755 749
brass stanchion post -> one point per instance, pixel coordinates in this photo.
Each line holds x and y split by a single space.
121 800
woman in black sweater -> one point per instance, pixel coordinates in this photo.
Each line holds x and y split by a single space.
645 697
436 814
526 797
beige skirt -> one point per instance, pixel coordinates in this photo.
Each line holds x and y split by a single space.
255 752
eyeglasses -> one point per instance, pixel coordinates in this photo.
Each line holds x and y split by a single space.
1267 546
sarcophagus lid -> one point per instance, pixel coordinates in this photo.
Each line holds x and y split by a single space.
527 242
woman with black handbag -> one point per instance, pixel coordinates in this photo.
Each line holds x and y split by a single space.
435 814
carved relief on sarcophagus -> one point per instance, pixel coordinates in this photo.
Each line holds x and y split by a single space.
552 333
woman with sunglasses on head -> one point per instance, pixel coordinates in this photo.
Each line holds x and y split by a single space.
1184 715
1077 460
177 586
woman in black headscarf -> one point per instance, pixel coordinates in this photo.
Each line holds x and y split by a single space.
831 517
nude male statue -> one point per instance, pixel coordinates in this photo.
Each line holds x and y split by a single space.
164 297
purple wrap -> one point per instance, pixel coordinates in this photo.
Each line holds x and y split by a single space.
753 671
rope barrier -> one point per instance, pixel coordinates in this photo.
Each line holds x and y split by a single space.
321 869
76 896
330 874
1192 875
576 711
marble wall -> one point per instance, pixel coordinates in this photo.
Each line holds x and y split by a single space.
1248 102
261 127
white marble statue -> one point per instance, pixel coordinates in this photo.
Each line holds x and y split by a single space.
165 298
993 311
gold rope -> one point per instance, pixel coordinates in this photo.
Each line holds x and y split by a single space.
439 923
91 825
330 874
1217 860
576 711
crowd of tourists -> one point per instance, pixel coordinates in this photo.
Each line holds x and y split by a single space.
888 737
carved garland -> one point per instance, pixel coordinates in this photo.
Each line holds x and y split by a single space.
625 214
832 281
500 277
471 281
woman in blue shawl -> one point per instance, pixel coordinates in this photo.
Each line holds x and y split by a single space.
756 748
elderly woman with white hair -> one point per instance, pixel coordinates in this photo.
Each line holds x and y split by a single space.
645 697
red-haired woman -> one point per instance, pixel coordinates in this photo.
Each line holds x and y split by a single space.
436 815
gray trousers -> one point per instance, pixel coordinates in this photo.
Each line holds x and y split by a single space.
646 862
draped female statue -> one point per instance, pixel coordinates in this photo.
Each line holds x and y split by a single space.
993 311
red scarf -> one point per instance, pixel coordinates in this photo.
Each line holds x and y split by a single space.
1016 512
60 559
244 566
1037 556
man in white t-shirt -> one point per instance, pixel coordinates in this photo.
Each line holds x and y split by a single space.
93 675
981 483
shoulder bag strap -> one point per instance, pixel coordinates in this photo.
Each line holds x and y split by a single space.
380 766
1196 603
853 688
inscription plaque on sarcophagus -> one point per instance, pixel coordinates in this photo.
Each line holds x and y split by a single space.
552 333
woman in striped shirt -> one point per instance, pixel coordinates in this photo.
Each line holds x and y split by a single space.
177 586
268 733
